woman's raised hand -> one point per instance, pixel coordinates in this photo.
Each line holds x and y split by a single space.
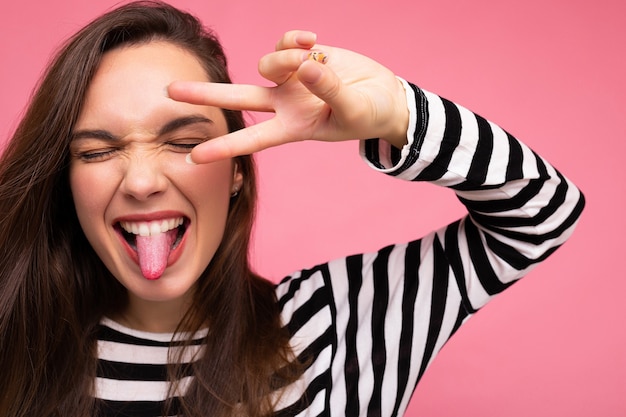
349 96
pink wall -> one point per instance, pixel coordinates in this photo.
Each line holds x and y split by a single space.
551 72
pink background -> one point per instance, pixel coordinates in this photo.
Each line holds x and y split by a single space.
550 71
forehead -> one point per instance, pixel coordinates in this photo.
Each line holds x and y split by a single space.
128 89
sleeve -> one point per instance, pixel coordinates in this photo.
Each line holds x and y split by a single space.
520 208
377 320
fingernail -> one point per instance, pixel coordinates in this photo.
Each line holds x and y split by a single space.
318 56
189 160
306 38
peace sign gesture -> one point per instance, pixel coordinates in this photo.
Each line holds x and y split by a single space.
322 93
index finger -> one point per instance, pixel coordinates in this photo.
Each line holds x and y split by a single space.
222 95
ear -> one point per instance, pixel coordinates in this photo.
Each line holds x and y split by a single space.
237 178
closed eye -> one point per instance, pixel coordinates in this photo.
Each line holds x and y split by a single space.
185 145
96 155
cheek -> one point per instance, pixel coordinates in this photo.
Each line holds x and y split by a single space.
207 188
90 188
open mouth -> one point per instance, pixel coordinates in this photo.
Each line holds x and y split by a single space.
130 230
153 244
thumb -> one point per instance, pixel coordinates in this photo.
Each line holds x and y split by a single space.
321 81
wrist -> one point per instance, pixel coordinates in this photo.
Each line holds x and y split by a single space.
397 137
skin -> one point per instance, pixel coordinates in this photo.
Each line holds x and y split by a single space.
348 97
128 164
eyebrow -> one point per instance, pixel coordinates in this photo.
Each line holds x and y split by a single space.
169 127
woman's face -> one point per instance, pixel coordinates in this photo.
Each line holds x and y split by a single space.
154 220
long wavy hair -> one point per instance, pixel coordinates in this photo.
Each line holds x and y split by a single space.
53 287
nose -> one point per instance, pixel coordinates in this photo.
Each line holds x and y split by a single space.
143 177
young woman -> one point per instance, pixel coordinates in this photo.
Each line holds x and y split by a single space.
125 287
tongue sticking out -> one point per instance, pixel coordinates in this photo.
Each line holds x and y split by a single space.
153 252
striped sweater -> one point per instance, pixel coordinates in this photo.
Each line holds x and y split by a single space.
377 320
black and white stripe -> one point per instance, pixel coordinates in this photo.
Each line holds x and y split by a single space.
377 320
131 377
390 312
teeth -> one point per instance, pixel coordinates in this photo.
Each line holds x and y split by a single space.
151 228
144 229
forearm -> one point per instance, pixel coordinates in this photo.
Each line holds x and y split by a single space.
520 207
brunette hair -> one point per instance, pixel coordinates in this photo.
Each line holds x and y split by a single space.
53 287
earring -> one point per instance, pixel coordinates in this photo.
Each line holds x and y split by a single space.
235 191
